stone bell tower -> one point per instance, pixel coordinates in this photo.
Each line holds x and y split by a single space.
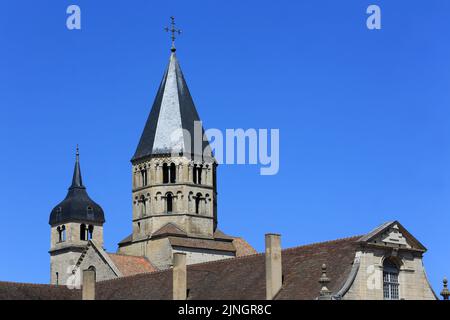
174 193
173 183
74 221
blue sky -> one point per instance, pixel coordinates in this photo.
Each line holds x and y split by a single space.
363 115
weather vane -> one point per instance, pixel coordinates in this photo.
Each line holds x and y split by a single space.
173 32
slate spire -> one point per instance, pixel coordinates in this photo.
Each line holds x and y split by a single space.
173 117
77 181
77 206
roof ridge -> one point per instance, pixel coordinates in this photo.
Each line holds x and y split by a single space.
34 284
254 255
322 242
135 275
125 255
282 250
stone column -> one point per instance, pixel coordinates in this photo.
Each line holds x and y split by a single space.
158 174
190 172
179 288
273 265
138 179
190 202
204 175
210 174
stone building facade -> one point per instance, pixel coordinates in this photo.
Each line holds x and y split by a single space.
174 198
174 210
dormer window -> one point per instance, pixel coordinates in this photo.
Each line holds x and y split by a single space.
90 212
58 213
390 280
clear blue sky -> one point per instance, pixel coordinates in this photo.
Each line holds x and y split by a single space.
363 115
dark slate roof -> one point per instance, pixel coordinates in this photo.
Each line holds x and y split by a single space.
28 291
74 208
205 244
126 240
244 278
173 109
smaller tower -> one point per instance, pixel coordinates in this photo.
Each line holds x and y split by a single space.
74 221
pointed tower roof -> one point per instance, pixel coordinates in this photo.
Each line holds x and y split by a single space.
77 206
170 127
77 181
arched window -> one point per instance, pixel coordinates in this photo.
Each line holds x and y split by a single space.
207 203
90 232
169 200
144 177
61 233
57 278
92 268
390 280
173 173
197 174
83 232
165 173
197 202
194 174
143 202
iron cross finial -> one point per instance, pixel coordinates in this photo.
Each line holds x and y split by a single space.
173 32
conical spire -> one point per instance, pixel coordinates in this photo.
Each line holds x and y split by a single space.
173 125
77 181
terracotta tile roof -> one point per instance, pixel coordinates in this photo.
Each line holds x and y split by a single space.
243 248
131 265
244 278
169 229
218 234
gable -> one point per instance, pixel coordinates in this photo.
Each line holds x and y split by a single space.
393 234
95 256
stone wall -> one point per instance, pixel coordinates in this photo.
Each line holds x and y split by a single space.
102 268
368 284
65 254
